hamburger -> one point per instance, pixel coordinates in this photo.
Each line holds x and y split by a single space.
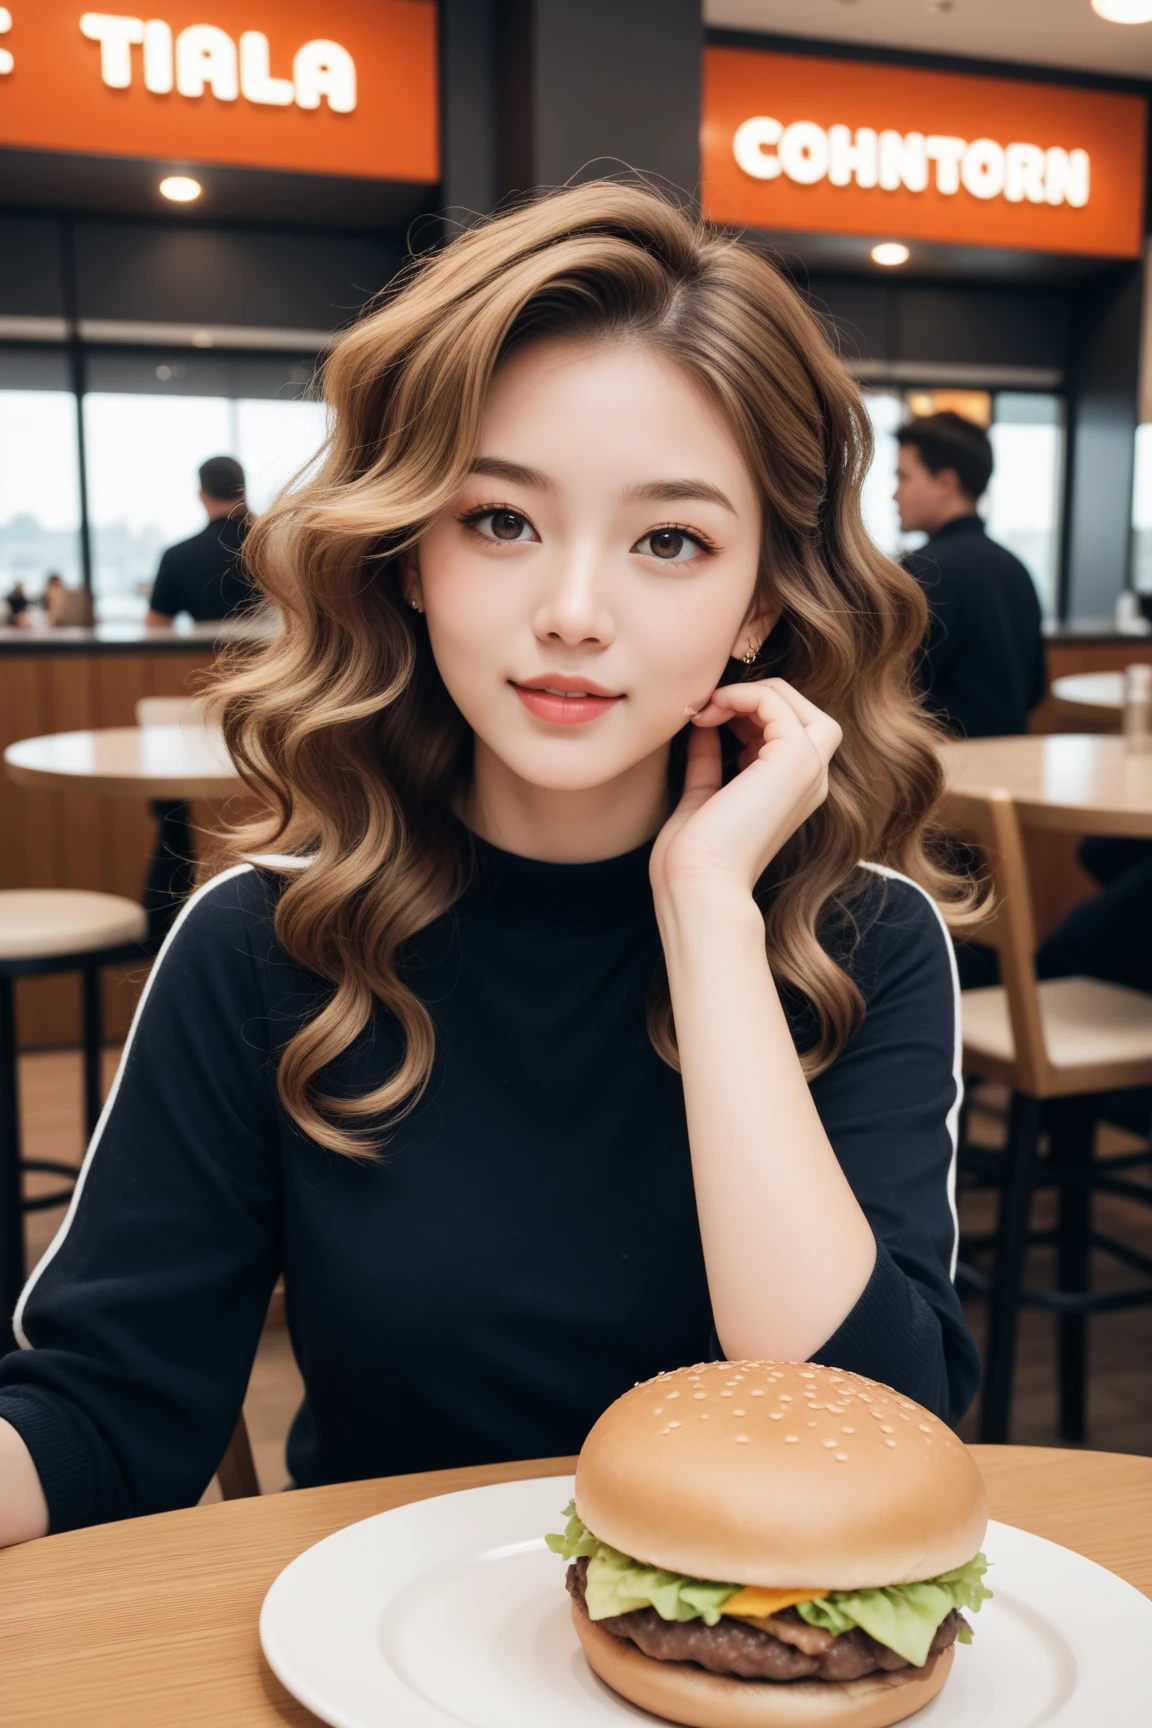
773 1545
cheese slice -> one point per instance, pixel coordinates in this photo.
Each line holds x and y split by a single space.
758 1600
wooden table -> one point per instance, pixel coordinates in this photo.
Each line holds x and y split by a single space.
1079 782
154 1621
1098 696
176 762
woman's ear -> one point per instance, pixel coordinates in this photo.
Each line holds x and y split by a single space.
755 630
408 565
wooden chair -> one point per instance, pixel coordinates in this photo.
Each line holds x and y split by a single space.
170 711
236 1471
1056 1045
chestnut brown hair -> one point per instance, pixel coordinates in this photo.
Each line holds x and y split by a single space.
342 725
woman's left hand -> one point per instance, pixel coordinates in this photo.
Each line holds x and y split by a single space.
731 833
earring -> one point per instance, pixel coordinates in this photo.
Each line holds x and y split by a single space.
415 605
749 655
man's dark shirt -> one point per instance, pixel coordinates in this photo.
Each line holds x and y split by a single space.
983 661
203 575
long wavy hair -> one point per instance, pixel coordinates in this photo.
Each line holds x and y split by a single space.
342 726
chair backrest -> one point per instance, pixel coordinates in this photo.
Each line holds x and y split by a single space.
236 1471
170 711
988 822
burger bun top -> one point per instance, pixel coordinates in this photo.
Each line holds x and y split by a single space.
785 1474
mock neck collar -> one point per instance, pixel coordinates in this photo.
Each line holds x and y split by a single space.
606 894
972 524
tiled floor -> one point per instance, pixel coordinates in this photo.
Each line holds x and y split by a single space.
1121 1344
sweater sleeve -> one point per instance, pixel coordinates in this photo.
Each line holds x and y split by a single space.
139 1327
890 1106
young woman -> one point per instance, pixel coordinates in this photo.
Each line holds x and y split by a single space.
552 1032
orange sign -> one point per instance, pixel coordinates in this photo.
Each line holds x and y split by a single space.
340 87
842 147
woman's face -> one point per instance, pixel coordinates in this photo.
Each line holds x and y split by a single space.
589 583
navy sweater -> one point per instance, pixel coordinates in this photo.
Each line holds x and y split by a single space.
525 1248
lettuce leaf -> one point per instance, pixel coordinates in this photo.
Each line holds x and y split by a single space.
617 1584
904 1617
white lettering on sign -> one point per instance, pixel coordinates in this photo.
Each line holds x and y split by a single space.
205 58
7 58
806 153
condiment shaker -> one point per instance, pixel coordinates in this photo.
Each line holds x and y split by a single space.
1138 708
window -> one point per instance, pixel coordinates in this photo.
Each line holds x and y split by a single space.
39 471
1022 508
887 413
150 420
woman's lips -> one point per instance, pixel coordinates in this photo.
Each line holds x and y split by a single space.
564 710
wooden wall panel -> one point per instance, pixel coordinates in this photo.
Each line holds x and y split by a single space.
176 674
27 852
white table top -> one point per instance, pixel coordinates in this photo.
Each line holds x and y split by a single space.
1100 691
126 762
1081 783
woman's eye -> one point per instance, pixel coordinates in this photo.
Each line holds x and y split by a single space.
505 525
671 545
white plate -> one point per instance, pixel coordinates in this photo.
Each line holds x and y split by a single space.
452 1611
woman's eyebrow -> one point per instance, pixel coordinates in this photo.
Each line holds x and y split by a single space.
669 491
495 468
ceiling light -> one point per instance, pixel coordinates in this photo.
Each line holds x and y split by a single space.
181 188
1124 11
890 252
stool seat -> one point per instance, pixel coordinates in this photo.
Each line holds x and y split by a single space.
1087 1023
40 923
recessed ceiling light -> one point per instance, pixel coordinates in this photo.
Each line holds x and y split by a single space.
890 252
1124 11
181 188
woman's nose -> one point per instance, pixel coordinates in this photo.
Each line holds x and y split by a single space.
574 608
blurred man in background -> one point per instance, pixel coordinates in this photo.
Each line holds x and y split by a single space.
16 603
983 660
203 576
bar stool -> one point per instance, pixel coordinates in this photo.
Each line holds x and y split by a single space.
44 930
1057 1045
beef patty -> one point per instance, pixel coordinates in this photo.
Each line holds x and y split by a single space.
734 1647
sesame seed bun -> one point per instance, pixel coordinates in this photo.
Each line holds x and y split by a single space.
681 1692
784 1474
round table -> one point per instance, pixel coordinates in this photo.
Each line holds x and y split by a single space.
1098 696
1083 783
176 762
155 1619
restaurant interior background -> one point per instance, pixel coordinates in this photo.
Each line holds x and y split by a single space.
141 333
138 334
